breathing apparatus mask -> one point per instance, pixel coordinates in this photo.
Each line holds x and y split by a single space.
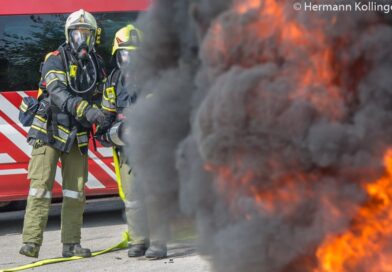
126 42
80 30
124 57
82 41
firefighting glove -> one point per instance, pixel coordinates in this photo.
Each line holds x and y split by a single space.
85 112
102 136
95 116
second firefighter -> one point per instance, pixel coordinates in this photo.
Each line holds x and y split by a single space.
118 95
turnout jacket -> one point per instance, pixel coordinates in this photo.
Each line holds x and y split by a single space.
55 122
119 93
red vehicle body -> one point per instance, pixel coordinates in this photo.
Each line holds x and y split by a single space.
27 16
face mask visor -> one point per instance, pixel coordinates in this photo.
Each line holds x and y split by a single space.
82 40
124 57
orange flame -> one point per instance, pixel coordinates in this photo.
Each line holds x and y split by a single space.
367 242
244 6
308 63
234 182
285 38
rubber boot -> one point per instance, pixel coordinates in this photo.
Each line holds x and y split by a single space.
156 251
30 250
137 250
70 250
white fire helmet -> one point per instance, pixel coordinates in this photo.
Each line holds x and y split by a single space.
80 28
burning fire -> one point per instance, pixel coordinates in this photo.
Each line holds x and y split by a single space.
315 77
294 42
366 245
269 200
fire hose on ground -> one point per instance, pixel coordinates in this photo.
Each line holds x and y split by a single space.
122 245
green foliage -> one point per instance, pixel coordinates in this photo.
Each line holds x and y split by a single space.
27 50
26 39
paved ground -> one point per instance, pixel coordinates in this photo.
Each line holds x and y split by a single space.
103 227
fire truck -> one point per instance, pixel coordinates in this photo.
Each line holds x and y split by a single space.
29 29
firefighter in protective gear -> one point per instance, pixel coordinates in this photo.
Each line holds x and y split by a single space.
72 82
119 94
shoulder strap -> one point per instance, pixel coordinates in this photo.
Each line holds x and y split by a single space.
98 62
64 58
116 75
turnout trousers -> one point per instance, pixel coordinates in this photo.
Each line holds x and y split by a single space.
41 172
135 210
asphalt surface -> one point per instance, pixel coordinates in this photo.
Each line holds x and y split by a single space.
103 226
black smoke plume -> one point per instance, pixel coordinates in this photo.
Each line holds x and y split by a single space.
262 122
